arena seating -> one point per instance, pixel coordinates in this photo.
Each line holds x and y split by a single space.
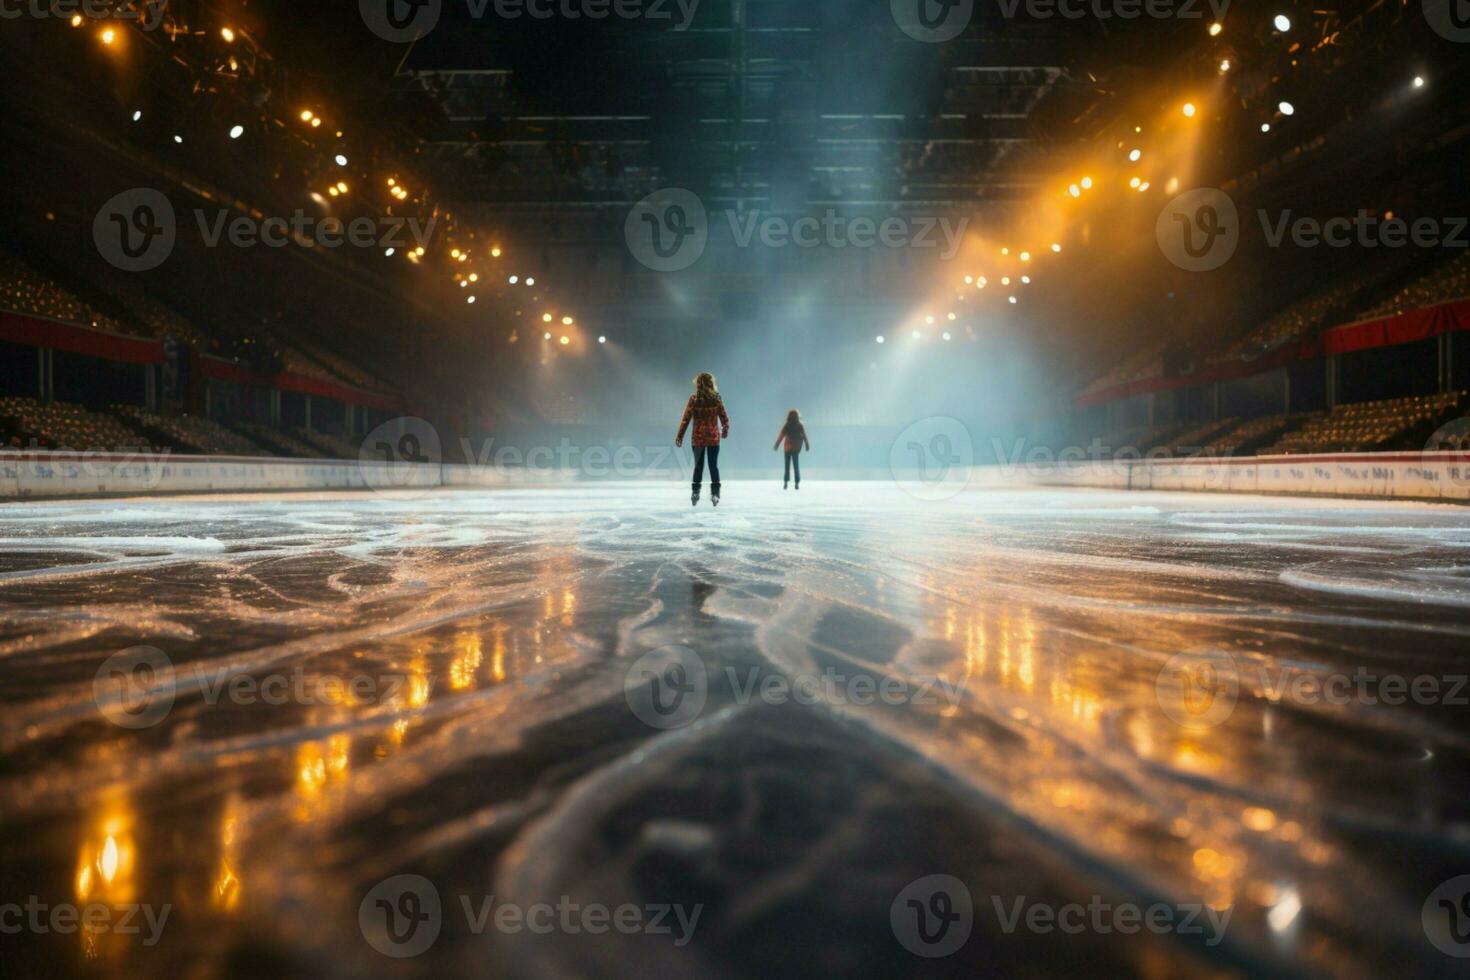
328 445
1296 320
1194 438
25 290
189 433
1252 433
28 423
279 442
1364 426
1143 363
1446 281
333 366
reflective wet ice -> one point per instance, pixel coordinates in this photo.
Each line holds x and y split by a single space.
357 687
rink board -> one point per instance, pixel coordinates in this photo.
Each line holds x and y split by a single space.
1419 476
103 474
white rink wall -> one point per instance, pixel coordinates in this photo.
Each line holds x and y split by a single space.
1421 476
61 474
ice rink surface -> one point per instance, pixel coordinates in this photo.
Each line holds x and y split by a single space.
782 713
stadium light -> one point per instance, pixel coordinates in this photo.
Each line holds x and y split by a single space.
1056 246
567 321
879 338
1286 108
946 335
228 34
1189 110
1074 190
1134 154
1011 300
236 132
1418 81
1282 23
137 115
1216 28
1265 127
602 340
565 340
341 160
108 36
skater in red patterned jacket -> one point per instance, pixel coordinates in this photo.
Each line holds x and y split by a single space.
707 410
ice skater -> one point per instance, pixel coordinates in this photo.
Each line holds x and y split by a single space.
707 409
793 434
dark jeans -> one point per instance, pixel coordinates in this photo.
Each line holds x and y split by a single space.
713 452
793 462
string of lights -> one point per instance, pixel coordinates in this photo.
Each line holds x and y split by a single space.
219 49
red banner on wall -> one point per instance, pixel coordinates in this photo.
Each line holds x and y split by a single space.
39 331
1404 328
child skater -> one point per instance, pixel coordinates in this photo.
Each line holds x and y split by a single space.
707 410
793 434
